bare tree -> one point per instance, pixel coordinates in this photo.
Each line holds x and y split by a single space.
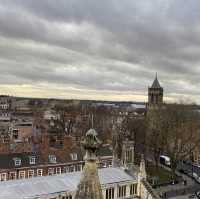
156 136
174 130
182 128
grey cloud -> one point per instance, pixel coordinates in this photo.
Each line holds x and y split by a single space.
117 45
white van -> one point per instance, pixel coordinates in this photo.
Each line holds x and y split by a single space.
165 160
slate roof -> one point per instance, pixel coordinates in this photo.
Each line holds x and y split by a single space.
7 162
156 83
28 188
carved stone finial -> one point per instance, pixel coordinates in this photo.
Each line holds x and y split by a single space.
89 186
91 143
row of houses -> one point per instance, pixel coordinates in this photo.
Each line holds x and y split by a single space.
48 162
102 183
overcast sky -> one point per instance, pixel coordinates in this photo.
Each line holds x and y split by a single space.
100 49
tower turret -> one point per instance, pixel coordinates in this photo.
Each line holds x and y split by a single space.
155 93
142 171
128 151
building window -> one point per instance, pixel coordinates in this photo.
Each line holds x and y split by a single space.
58 170
73 156
52 158
122 191
17 161
110 193
66 169
21 174
78 167
71 168
39 172
82 166
51 171
133 189
30 173
104 165
32 160
3 176
12 175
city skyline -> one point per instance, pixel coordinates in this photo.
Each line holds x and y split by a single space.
102 50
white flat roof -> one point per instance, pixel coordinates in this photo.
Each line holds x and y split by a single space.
20 189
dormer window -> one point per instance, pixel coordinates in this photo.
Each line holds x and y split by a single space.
52 158
17 162
32 160
73 156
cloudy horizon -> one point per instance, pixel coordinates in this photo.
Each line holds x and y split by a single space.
103 50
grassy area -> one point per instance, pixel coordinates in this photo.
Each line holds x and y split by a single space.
159 174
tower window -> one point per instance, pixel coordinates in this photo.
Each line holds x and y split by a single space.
122 191
110 193
133 189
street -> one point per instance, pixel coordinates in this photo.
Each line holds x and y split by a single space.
179 190
189 168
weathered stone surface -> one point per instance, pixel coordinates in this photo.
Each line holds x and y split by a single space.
89 187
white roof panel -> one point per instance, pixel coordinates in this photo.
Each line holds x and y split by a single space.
25 188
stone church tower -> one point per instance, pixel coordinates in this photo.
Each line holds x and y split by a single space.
155 93
89 187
